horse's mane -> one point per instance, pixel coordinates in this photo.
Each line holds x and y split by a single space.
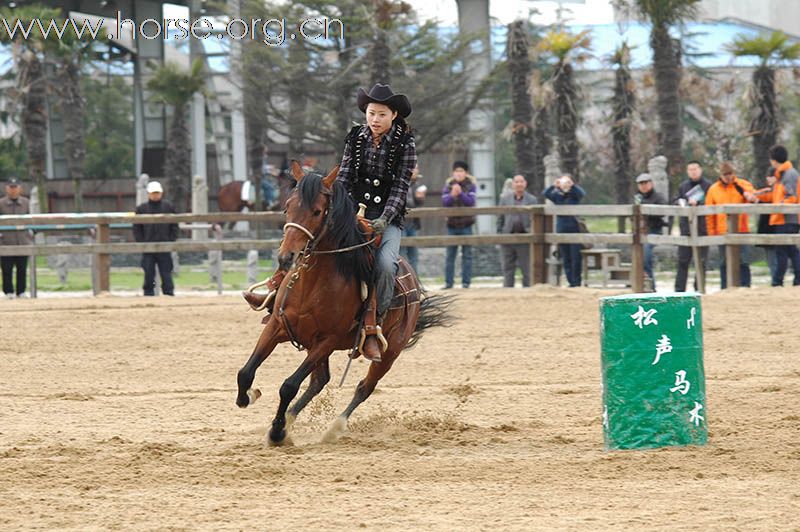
343 231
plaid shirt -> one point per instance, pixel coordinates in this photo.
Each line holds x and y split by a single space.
375 163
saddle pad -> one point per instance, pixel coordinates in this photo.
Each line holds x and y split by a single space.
248 193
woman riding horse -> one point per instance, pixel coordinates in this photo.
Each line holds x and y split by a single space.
378 160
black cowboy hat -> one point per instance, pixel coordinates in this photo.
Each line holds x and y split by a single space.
380 93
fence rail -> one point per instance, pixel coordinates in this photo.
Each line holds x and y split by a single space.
540 237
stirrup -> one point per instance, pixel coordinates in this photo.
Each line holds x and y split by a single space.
381 339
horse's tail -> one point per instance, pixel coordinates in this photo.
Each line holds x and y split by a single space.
434 311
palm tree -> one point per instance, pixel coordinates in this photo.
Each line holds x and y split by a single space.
175 86
566 49
31 92
772 50
667 69
519 65
623 106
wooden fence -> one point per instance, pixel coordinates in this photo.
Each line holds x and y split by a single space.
539 238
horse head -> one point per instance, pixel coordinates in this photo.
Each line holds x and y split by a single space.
306 213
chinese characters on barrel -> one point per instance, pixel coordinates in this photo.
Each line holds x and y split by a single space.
643 317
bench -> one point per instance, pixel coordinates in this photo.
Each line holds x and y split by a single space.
608 261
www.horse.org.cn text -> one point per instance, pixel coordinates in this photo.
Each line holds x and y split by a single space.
271 32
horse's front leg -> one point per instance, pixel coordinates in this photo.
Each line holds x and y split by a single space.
271 336
291 386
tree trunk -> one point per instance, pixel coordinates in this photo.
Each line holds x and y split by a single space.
519 65
764 126
178 162
567 119
624 101
541 148
31 84
667 71
72 112
380 58
298 102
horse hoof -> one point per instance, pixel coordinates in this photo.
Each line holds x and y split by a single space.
248 398
279 440
242 401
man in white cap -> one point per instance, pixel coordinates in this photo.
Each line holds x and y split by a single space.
156 233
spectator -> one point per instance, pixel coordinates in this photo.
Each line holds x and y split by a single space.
727 190
156 233
564 191
14 203
459 191
691 192
783 183
654 225
415 198
516 255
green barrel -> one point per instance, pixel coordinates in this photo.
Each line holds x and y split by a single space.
654 391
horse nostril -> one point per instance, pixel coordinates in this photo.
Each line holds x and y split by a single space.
285 261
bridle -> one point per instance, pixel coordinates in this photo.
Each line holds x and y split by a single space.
313 240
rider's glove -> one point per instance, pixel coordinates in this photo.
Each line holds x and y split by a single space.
379 224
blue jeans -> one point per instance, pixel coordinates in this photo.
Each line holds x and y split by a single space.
411 252
784 254
466 259
386 266
573 263
648 262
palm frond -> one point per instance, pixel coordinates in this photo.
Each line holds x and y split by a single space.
771 49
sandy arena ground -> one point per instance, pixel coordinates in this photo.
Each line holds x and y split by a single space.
118 413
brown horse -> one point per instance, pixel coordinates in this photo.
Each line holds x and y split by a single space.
229 197
319 301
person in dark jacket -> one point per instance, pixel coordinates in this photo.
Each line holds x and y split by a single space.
564 191
13 203
691 192
647 195
459 191
156 233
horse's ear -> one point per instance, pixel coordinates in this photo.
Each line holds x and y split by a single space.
297 170
330 178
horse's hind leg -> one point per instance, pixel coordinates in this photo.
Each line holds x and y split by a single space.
363 391
319 378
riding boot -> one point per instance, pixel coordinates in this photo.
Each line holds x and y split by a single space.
256 301
371 347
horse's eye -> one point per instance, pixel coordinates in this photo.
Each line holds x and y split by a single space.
317 212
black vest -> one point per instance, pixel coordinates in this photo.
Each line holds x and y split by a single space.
373 190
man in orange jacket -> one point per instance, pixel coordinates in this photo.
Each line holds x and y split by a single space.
727 190
783 184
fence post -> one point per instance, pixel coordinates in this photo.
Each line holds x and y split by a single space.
732 257
538 250
102 261
637 250
32 261
699 267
